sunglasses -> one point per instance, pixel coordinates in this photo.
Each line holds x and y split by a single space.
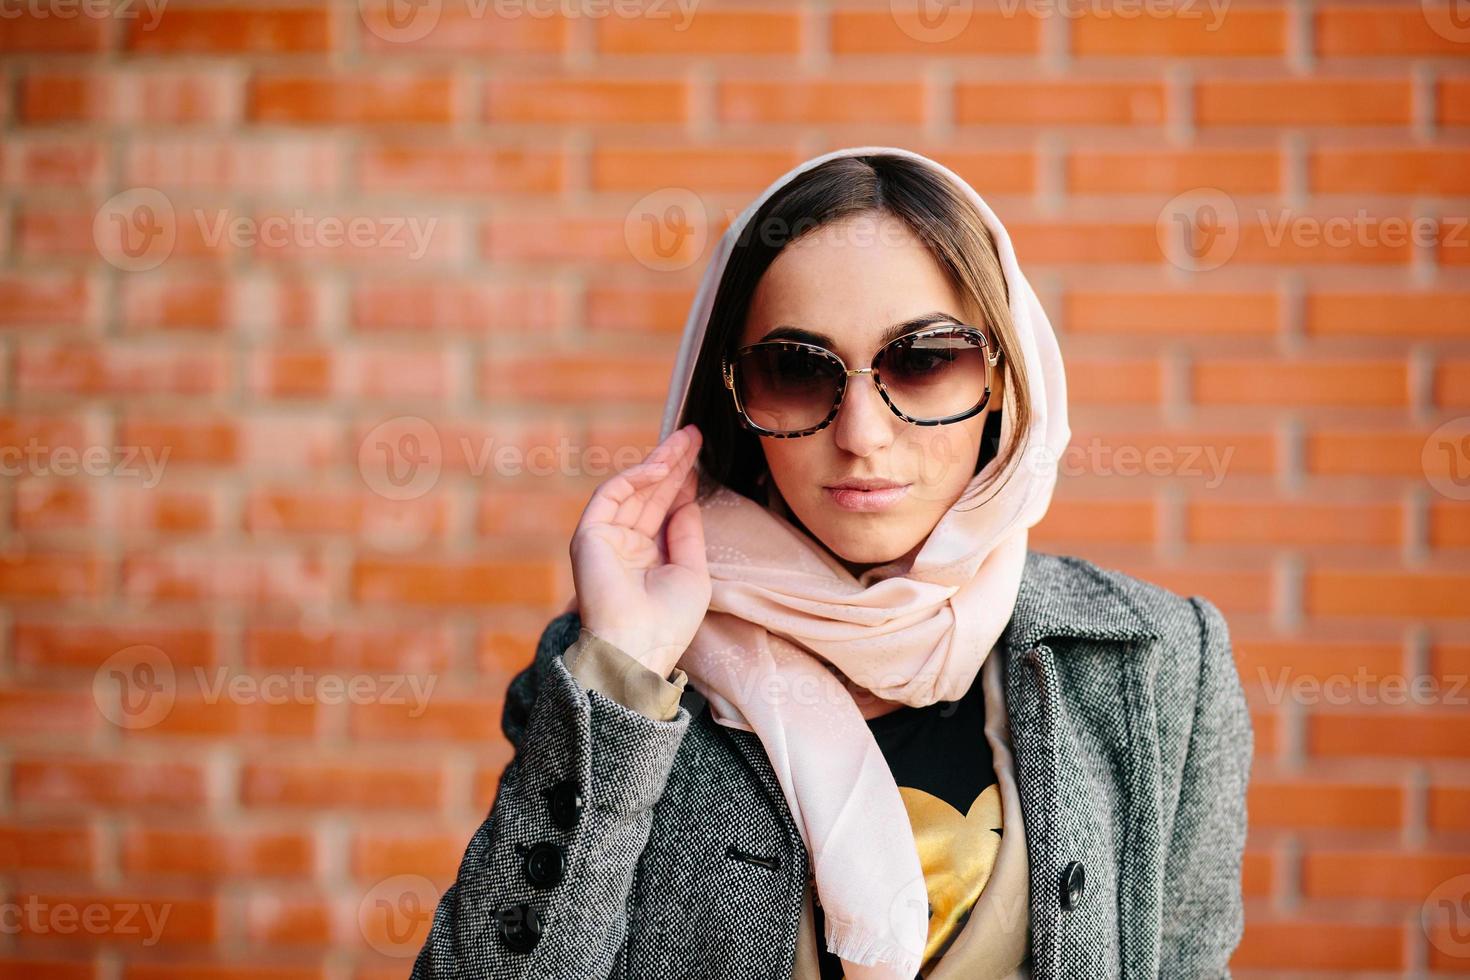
785 389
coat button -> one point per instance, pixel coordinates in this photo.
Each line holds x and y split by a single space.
566 803
544 864
520 927
1074 883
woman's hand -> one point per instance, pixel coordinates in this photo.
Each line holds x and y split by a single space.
638 559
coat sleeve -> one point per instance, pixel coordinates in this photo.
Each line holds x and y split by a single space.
578 795
1203 914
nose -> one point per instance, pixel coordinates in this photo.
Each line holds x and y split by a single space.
864 422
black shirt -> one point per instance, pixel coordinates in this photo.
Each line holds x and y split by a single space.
938 751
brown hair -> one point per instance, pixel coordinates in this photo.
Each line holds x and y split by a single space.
934 209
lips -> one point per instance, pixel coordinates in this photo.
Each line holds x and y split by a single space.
866 495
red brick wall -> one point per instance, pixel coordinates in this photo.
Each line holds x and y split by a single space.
1274 413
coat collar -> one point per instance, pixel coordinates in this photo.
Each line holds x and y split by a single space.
1066 596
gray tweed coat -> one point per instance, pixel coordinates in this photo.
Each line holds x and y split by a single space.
620 846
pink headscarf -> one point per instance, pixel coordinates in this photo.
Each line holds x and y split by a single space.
916 634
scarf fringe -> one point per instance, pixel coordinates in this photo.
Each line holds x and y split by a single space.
868 948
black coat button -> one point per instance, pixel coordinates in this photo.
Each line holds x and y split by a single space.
1074 883
520 927
566 803
544 864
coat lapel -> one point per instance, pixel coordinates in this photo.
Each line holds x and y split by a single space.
1079 665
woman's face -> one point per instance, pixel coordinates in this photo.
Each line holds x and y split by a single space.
849 281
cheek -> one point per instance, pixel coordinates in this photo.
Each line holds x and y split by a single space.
944 456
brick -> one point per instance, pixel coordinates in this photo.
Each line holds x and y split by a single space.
1355 170
212 303
23 32
73 784
1173 171
378 372
225 853
1342 383
1172 314
641 168
574 378
1384 30
30 711
233 30
1286 522
460 168
819 101
425 649
428 714
1315 805
207 576
1184 32
1085 243
1390 735
751 32
384 99
379 854
616 307
37 575
451 307
1410 315
1386 593
1118 521
1321 945
1364 452
1449 809
51 161
900 31
129 96
35 299
45 644
123 919
277 166
599 100
1449 525
1390 875
453 583
93 369
325 786
1452 96
321 510
1386 101
1077 102
48 847
464 27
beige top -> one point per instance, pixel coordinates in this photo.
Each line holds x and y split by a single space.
993 944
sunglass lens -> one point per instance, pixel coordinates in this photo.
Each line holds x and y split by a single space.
786 389
936 376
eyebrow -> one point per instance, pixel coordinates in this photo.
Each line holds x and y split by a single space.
787 332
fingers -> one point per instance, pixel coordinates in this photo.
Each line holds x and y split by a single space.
621 498
658 502
686 529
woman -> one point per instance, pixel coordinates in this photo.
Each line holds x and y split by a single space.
815 709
